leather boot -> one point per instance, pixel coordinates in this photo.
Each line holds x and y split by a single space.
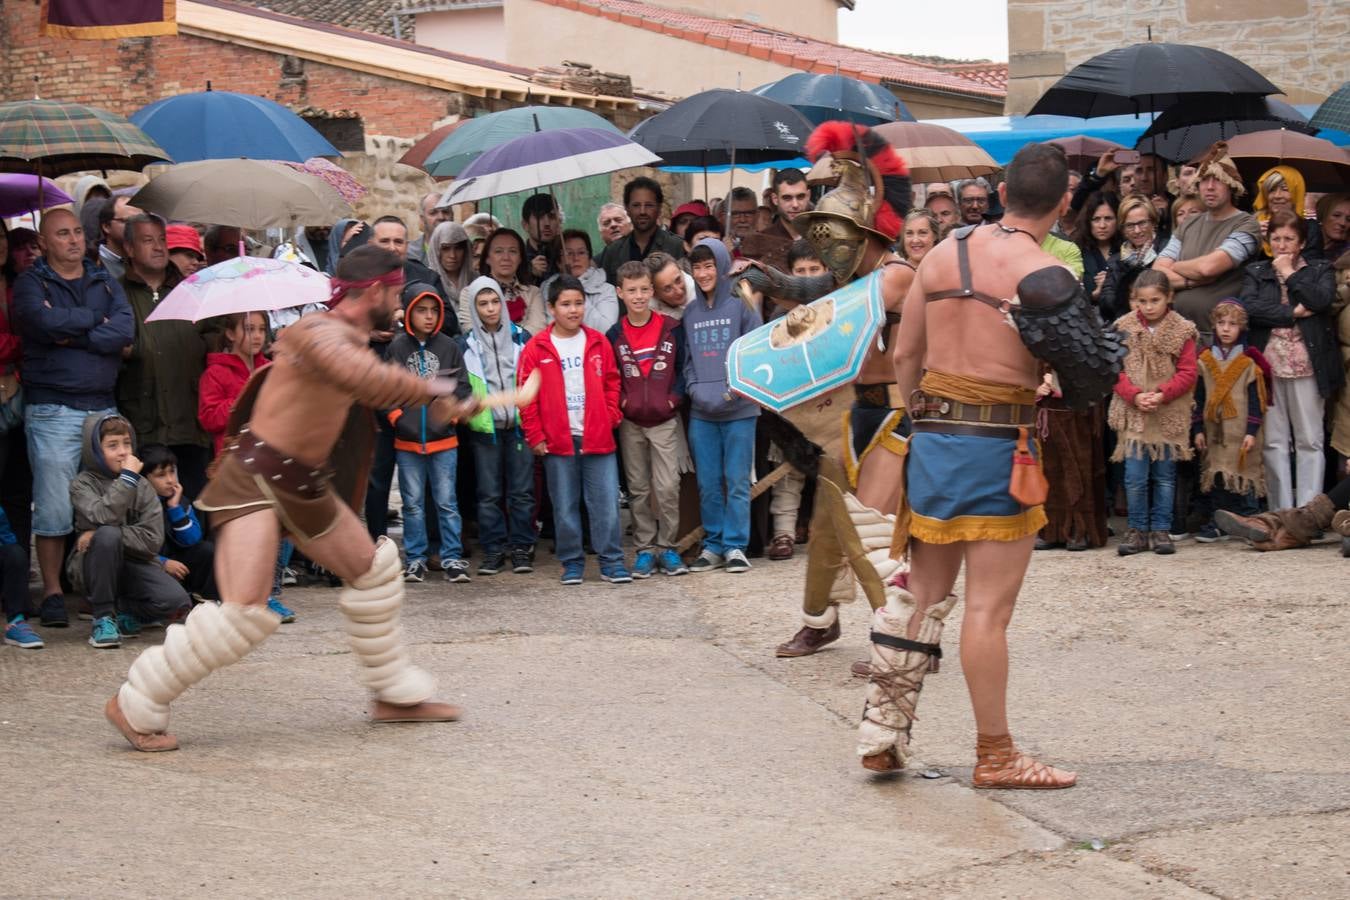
809 640
1281 529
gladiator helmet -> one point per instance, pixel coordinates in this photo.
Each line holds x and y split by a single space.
870 198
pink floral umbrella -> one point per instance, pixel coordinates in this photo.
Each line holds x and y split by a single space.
338 178
242 284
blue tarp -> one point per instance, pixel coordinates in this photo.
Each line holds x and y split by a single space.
1002 136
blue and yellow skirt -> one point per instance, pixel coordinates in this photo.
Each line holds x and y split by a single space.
957 488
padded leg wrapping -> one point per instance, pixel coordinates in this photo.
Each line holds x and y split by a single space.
370 607
210 638
874 530
897 674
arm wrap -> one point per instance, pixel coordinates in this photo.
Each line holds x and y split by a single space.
792 288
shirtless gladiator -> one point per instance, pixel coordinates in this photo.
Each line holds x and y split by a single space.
973 489
275 476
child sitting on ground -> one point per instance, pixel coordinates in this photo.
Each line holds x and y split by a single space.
570 423
648 348
427 449
185 555
502 460
1230 406
1151 410
121 529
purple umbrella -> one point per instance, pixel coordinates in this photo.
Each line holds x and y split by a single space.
21 194
545 158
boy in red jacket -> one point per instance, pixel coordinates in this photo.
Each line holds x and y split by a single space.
571 423
648 347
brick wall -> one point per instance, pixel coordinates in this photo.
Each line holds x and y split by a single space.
1303 46
125 75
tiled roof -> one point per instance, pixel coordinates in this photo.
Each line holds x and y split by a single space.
359 15
981 79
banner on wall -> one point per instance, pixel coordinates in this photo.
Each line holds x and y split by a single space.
102 20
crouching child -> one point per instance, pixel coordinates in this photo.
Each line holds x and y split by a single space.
120 523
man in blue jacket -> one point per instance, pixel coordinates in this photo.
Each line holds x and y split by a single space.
74 322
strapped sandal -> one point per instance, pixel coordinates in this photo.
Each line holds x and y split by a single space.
998 764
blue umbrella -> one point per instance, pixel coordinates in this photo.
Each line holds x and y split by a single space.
545 158
225 125
822 98
465 143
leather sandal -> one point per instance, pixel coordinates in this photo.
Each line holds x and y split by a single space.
861 668
886 762
809 640
781 547
156 742
999 765
382 713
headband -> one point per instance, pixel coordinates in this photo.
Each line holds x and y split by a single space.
340 288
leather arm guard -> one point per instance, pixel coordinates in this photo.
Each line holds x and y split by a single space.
1061 327
782 286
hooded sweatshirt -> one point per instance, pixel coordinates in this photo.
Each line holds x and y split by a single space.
490 359
710 325
101 497
436 356
602 303
448 234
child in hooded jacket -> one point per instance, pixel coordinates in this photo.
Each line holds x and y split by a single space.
121 528
425 449
502 460
721 426
227 372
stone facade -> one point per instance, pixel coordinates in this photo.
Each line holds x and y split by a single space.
1303 46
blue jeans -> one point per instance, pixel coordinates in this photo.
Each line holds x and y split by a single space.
55 441
414 471
1139 472
505 467
594 476
723 453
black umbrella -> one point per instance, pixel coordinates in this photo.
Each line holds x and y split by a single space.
724 128
1188 129
1148 78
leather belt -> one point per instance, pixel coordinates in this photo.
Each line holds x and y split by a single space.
966 429
285 472
923 407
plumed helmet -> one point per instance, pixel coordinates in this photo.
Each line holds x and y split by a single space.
870 198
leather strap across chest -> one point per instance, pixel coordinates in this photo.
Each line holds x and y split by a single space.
967 289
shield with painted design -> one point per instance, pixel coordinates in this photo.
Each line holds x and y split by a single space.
814 350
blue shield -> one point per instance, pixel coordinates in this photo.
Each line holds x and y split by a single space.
810 351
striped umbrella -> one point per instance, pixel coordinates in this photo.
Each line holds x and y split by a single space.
51 138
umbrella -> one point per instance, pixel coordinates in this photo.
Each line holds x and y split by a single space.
935 153
1334 113
1187 130
821 98
1148 78
1084 151
1323 165
722 127
248 193
416 155
21 194
478 135
225 125
545 158
242 284
333 175
51 138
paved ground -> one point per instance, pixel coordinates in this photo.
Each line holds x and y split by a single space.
643 741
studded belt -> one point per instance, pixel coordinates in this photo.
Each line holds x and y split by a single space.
925 408
284 473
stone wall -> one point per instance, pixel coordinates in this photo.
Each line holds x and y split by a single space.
1303 46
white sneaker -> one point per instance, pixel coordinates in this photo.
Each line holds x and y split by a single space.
736 563
706 562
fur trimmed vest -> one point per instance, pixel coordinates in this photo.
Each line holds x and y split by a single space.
1225 418
1152 360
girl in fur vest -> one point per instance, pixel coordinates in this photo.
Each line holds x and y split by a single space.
1151 410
